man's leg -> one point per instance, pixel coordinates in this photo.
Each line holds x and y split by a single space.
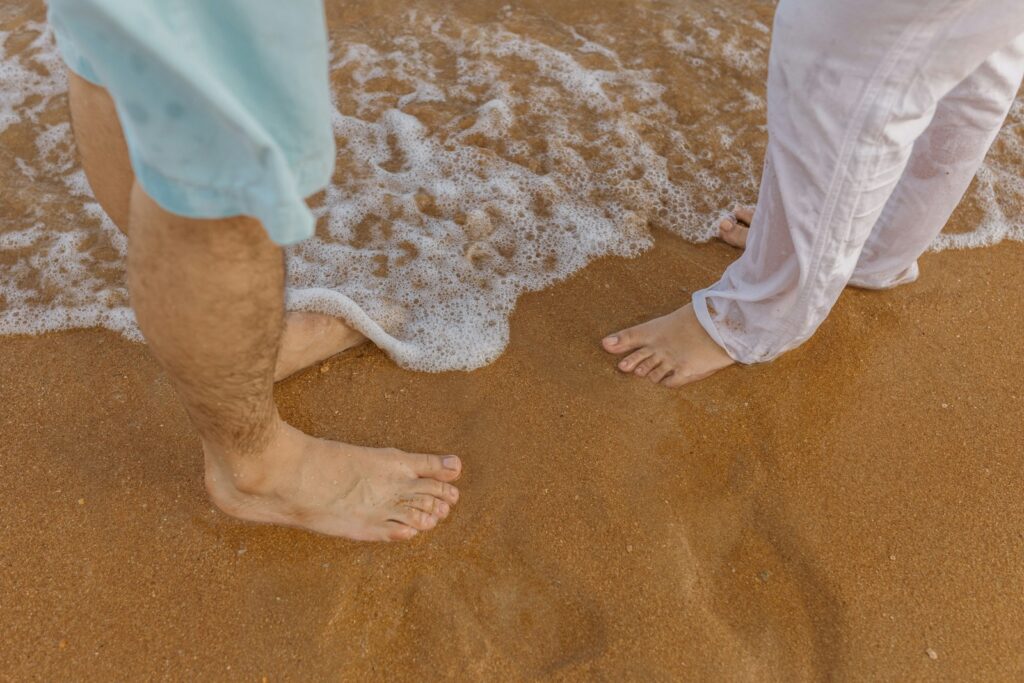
850 89
208 295
307 338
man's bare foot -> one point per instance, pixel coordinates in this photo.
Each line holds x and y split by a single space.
365 494
672 350
734 232
309 338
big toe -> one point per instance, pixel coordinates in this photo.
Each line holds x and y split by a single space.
440 467
620 341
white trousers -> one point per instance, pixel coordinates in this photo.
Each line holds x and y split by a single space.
879 114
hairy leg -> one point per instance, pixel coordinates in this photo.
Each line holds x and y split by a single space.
307 338
208 295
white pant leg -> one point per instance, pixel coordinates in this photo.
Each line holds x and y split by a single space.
851 86
942 164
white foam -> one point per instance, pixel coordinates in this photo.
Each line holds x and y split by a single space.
19 81
999 189
509 197
52 275
20 239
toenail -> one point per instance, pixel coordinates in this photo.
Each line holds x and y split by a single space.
612 339
451 463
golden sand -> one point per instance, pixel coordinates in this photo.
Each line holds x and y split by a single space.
851 511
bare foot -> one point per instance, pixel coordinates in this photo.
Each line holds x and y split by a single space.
733 230
672 350
309 338
365 494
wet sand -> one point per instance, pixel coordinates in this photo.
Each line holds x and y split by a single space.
842 513
851 511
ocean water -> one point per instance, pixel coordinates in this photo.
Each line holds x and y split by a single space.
485 150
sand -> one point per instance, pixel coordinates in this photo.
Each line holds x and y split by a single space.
851 511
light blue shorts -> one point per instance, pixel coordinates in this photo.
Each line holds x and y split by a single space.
225 104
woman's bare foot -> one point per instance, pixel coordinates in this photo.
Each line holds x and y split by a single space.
309 338
672 350
365 494
734 232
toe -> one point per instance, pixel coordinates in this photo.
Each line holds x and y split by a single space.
438 489
417 519
659 373
646 366
620 342
676 379
442 467
396 531
629 363
744 214
429 504
732 233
